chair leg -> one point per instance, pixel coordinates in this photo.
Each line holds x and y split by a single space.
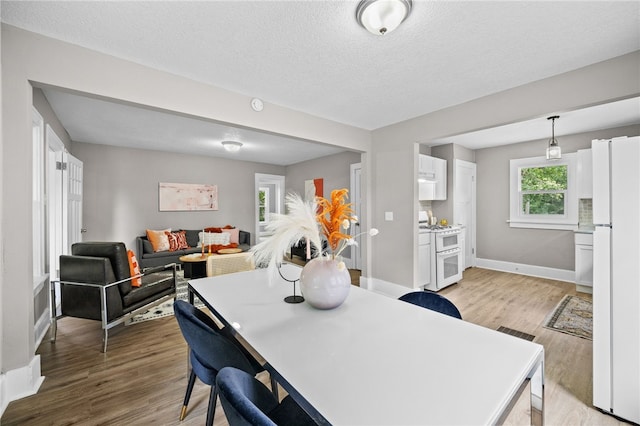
104 340
211 412
274 387
54 316
187 396
54 328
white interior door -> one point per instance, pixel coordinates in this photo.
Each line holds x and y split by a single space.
464 206
55 190
72 208
355 199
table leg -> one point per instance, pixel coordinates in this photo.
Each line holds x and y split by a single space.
187 267
537 395
191 296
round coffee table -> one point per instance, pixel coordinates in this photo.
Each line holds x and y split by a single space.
194 265
229 251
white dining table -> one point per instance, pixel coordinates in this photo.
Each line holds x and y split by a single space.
376 360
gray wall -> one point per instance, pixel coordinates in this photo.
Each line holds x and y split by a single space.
495 240
393 149
30 60
121 191
333 169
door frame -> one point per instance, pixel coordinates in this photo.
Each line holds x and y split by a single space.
356 201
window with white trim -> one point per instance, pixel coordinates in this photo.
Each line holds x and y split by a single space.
263 205
543 193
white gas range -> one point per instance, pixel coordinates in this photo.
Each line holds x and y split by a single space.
439 256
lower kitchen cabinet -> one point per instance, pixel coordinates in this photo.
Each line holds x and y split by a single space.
584 262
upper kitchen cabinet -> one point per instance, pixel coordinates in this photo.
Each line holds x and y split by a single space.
432 178
585 174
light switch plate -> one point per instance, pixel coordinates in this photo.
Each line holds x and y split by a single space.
388 216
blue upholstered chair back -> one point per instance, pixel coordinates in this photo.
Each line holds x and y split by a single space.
212 349
432 301
245 400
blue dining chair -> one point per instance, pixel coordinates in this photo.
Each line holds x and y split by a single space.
432 301
247 402
211 349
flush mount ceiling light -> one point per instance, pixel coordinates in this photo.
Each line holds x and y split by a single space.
553 150
231 146
380 17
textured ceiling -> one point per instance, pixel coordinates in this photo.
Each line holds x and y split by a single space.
312 56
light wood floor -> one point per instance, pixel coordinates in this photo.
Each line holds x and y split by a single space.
142 378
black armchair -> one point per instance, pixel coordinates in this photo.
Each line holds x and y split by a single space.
95 283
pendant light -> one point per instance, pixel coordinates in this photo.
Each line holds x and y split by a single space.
380 17
553 150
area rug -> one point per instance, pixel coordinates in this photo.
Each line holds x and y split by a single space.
574 316
166 309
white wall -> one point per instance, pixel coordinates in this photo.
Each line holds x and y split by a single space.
3 394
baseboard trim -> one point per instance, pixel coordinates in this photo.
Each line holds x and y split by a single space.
383 287
395 290
41 326
20 383
529 270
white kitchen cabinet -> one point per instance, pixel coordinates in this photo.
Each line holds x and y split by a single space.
584 262
432 178
424 259
585 174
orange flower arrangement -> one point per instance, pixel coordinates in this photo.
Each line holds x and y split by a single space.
334 216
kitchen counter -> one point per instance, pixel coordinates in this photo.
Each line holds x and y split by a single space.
586 229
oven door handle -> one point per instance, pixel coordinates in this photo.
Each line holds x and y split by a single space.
448 252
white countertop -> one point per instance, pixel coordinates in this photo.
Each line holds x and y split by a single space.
585 229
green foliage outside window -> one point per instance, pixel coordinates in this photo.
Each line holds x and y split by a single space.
543 190
261 205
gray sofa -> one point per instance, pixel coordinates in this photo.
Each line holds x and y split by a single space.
147 258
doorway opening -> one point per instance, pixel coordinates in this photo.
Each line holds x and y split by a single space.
269 196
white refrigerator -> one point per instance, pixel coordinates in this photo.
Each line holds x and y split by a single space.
616 277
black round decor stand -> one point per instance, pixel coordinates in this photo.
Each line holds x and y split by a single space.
294 298
290 299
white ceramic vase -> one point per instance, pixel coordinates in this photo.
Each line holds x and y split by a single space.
325 283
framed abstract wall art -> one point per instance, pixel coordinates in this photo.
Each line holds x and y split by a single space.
187 197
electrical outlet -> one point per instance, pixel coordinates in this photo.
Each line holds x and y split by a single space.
388 216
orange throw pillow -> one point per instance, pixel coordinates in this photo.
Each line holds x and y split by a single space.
134 269
213 248
213 229
158 239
